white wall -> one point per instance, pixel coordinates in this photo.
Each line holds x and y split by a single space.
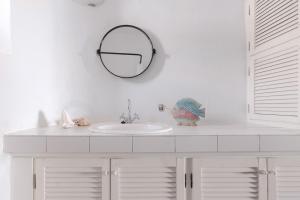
53 67
5 29
201 54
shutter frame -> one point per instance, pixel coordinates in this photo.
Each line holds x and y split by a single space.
275 95
216 179
282 182
64 179
283 11
283 36
154 179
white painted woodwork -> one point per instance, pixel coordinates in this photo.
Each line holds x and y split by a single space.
274 84
152 144
263 192
196 144
159 178
68 144
273 61
284 178
22 178
227 179
272 23
153 179
162 144
24 144
238 143
72 179
111 144
279 143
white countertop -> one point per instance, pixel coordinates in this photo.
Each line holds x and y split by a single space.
207 137
202 129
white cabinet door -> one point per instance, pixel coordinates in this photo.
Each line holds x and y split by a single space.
273 61
72 179
273 81
284 179
151 179
272 23
228 179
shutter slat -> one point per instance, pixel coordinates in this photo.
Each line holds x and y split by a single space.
149 183
72 183
149 170
270 7
287 182
229 183
274 19
66 198
276 84
148 175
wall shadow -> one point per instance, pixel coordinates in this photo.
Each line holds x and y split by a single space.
42 120
157 64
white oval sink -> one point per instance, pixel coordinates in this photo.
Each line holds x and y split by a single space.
113 128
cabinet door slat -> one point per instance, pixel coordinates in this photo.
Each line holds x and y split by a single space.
284 181
218 179
72 179
154 179
274 19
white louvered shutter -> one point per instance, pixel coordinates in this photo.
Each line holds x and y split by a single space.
273 62
229 179
284 179
147 179
273 22
72 179
274 85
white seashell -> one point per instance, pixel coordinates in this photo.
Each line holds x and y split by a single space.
66 121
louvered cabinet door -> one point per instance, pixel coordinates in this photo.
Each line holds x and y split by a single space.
274 84
147 179
273 22
229 179
284 179
72 179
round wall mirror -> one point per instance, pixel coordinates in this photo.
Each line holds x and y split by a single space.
126 51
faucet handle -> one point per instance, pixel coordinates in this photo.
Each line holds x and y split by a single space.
123 116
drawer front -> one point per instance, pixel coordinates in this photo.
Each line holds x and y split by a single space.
110 144
155 144
68 144
24 144
196 144
279 143
238 143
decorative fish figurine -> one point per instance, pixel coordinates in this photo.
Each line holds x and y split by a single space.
187 112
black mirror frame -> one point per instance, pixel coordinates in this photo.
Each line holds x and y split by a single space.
122 26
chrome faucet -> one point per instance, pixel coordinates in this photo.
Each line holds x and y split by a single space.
129 119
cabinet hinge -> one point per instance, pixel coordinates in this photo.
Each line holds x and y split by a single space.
192 182
248 108
185 180
34 181
272 172
249 10
249 71
249 46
